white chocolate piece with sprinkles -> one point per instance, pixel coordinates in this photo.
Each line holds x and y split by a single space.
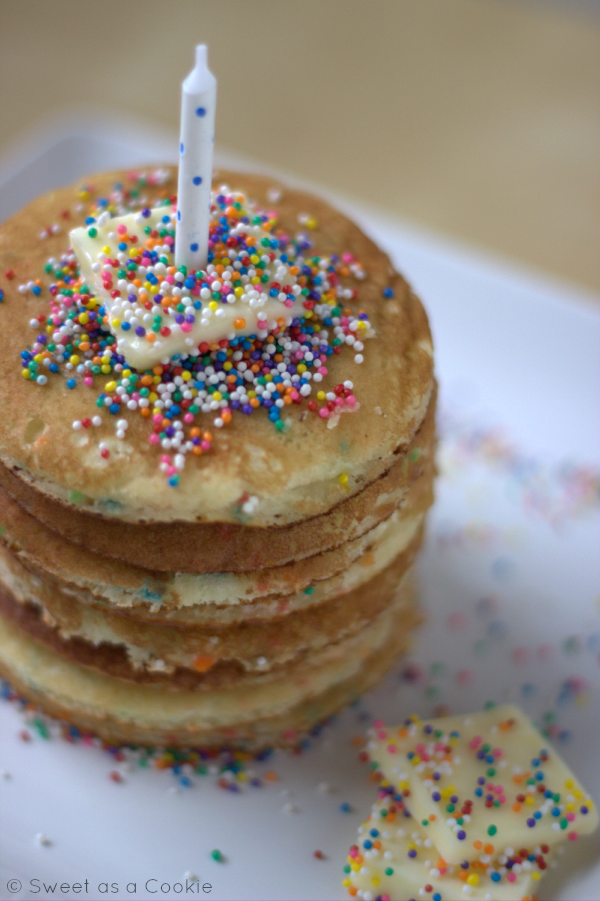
487 776
250 308
394 858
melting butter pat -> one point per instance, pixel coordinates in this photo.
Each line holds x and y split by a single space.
155 311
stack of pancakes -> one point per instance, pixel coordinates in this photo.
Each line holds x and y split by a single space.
273 586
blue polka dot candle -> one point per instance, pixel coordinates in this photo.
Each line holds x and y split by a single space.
198 104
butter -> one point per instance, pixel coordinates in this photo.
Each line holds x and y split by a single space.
160 317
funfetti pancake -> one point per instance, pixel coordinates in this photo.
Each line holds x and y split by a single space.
213 482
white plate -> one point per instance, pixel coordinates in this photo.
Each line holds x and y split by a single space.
511 588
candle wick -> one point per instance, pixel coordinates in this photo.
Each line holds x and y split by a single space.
201 56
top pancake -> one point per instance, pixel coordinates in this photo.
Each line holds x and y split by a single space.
293 473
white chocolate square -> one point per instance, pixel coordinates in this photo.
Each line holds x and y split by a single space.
480 777
394 858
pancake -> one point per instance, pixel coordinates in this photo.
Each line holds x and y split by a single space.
271 580
122 506
223 668
278 713
229 547
257 646
215 599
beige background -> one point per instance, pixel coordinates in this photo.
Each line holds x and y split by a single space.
479 119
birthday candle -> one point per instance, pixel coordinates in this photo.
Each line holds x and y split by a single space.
198 102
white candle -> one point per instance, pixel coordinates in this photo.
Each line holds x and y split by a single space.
198 103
